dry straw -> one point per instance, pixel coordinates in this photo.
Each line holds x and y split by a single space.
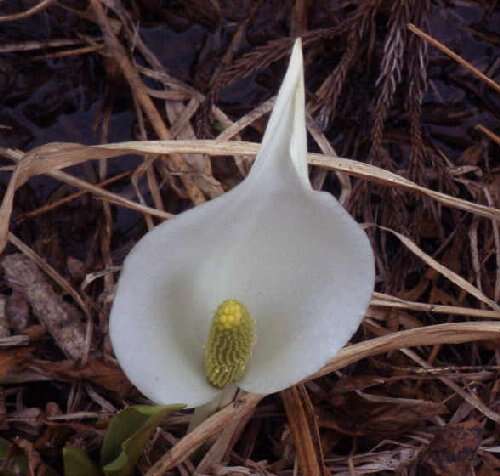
51 159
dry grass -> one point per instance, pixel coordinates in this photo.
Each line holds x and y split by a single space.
424 365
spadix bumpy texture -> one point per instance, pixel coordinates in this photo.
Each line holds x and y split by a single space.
229 345
294 257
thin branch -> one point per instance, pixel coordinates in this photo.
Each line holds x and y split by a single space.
454 56
489 133
28 13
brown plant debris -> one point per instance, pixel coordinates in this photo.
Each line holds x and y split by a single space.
105 374
304 428
63 320
39 7
490 82
117 115
452 450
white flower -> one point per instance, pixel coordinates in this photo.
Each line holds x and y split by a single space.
294 257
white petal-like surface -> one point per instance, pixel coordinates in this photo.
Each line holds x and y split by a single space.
292 256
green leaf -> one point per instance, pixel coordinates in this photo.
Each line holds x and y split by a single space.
127 434
77 463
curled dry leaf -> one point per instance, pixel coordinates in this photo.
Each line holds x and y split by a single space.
60 155
57 156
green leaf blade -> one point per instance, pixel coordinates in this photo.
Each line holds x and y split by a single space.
127 435
77 463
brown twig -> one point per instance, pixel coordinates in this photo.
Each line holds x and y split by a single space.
304 428
140 91
327 148
210 427
349 166
455 333
75 52
454 56
388 301
28 13
38 45
223 444
69 198
467 396
109 196
25 168
489 133
444 271
59 156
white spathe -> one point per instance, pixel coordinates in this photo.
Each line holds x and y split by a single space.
293 256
